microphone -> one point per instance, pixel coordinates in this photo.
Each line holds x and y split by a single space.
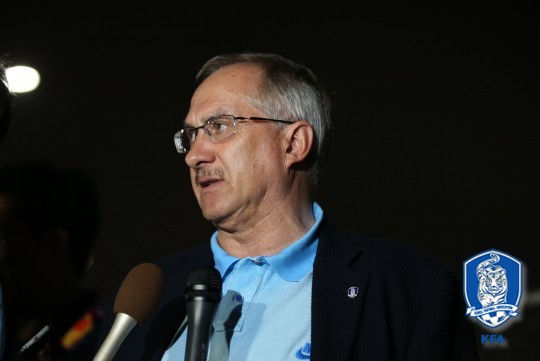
135 302
44 332
203 293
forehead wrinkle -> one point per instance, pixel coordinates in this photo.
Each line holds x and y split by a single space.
207 117
226 110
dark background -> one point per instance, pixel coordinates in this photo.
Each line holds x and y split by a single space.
436 109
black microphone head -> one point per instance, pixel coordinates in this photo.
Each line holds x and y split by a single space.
205 282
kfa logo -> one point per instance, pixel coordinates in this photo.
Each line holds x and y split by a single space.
352 292
492 286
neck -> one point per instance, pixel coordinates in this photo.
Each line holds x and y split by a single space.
270 233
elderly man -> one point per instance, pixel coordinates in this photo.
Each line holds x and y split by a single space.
254 140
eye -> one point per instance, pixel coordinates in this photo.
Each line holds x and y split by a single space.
220 125
189 135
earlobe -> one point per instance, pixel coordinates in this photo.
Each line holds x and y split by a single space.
300 141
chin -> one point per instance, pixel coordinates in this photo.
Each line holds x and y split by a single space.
213 214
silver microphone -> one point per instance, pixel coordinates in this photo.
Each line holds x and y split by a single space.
135 302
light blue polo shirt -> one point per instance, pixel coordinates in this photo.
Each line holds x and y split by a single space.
266 306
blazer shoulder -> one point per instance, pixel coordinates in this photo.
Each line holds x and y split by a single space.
379 255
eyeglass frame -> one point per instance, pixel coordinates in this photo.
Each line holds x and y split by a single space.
178 136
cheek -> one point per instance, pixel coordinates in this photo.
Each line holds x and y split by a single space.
252 161
263 168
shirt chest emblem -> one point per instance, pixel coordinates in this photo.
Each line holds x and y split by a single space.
304 353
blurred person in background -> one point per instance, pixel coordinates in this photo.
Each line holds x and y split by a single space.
49 220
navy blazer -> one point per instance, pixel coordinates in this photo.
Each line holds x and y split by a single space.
407 307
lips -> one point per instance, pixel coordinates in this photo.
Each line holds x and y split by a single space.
207 182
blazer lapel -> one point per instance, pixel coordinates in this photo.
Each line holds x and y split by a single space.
340 279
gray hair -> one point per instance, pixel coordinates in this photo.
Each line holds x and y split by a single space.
288 91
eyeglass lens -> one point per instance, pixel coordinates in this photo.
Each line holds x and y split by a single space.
217 129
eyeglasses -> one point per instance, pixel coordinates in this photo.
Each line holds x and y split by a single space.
217 129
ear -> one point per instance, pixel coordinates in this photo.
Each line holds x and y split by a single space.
299 136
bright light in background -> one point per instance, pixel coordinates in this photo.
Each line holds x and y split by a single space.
22 79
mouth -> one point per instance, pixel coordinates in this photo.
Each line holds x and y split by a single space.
208 182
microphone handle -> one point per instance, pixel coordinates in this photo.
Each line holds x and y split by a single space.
37 337
200 314
123 324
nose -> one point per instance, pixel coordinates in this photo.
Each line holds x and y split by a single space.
200 152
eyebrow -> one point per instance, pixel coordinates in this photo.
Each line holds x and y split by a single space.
217 113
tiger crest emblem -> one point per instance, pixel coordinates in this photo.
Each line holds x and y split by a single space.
492 282
492 287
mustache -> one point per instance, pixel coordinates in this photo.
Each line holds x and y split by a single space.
209 173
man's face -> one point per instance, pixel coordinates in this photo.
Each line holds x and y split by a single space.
238 180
